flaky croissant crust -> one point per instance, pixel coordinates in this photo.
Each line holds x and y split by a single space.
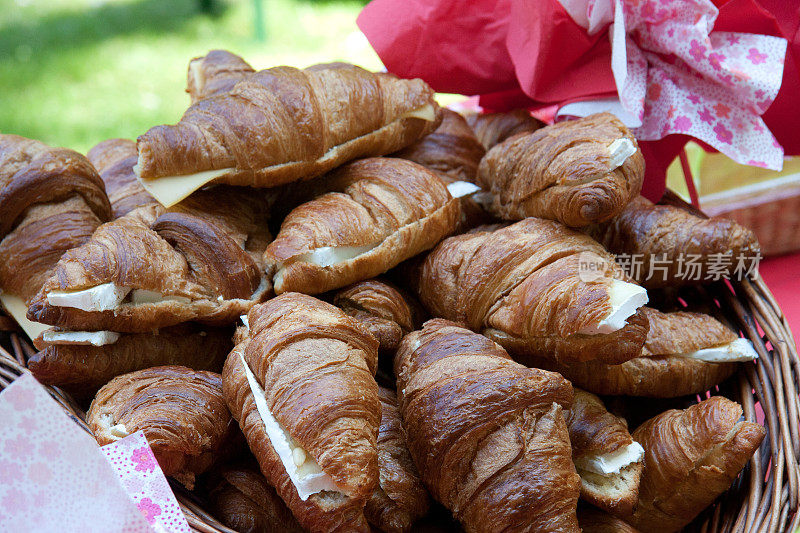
114 159
493 128
215 73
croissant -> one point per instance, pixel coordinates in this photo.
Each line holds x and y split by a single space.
400 499
524 287
80 366
300 383
114 159
51 200
691 457
181 412
215 73
594 520
685 353
383 309
157 267
577 172
487 434
673 247
242 499
282 125
608 460
388 211
493 128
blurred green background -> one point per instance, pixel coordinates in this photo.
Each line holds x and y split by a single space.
76 72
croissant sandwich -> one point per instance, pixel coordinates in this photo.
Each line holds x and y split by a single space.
51 200
400 498
388 210
156 267
594 520
538 289
685 353
242 499
487 434
691 457
282 125
181 412
300 383
608 460
493 128
387 312
215 73
114 159
82 362
672 246
577 172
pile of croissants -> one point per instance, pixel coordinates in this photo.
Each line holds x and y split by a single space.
332 305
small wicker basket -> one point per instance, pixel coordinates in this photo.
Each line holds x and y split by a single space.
764 498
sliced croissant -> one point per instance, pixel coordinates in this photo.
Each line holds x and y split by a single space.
487 434
114 159
51 200
608 460
594 520
674 360
670 238
388 211
70 361
301 385
578 172
242 499
384 310
282 125
400 498
493 128
156 267
691 457
215 73
181 412
523 286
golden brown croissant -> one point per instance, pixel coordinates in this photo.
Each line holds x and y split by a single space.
81 368
493 128
400 499
679 247
487 434
181 412
156 267
385 311
282 125
594 520
51 200
215 73
315 433
242 499
691 457
522 285
685 353
114 160
606 457
388 211
578 172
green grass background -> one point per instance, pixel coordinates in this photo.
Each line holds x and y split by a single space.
76 72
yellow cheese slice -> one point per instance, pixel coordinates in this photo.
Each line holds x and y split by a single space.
170 190
425 112
17 309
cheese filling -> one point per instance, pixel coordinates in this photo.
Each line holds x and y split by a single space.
83 338
611 463
103 297
625 299
324 257
304 472
620 150
462 188
142 296
18 310
738 350
115 431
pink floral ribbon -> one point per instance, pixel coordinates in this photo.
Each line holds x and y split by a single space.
675 75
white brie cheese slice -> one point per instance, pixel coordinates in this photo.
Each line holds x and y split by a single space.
738 350
142 296
462 188
611 463
306 475
87 338
103 297
625 299
620 150
18 311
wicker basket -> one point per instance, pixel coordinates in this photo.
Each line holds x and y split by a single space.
764 497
